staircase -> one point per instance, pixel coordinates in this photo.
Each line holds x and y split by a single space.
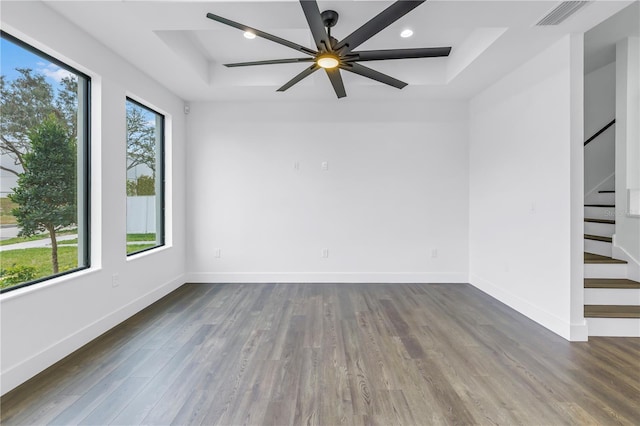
612 301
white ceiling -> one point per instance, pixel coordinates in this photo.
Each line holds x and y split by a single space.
174 43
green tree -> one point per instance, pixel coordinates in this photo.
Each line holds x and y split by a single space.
144 185
46 192
67 103
141 139
24 103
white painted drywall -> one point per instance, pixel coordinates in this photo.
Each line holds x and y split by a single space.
395 190
599 109
43 323
521 200
627 236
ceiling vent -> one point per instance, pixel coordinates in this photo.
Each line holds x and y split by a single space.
561 12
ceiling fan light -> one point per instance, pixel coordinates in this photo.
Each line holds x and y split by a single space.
249 35
328 61
406 33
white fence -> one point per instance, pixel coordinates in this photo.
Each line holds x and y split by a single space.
141 214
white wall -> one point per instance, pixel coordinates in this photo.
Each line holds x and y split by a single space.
45 322
524 142
599 109
627 236
396 189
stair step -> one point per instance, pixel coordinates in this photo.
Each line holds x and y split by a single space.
607 221
598 238
609 191
610 283
599 205
611 311
596 258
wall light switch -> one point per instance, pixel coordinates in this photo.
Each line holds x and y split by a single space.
324 166
434 253
325 253
115 280
296 165
217 253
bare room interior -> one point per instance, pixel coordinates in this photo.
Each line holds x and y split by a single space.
320 212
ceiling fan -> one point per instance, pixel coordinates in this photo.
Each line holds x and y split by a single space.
334 55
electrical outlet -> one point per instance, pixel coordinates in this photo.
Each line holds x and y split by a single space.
324 166
325 253
115 280
296 165
217 253
434 253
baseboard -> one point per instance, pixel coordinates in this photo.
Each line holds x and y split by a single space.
614 327
20 373
633 265
327 277
572 332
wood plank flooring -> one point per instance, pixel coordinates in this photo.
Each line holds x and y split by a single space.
333 354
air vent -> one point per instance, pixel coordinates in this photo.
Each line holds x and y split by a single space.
562 12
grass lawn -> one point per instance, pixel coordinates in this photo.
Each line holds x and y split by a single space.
40 258
132 248
141 237
6 205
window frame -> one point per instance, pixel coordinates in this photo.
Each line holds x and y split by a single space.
161 227
84 160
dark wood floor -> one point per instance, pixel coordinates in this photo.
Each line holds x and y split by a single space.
334 354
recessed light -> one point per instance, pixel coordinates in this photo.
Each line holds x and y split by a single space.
249 35
406 33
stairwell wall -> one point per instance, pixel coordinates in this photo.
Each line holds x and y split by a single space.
599 109
526 189
627 236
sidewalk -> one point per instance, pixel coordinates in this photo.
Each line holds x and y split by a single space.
45 242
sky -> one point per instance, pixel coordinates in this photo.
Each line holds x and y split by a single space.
13 56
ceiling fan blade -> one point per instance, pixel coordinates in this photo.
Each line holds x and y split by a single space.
381 55
314 19
373 74
385 18
262 34
270 62
336 82
313 68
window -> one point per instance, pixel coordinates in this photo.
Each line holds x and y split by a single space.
44 151
145 178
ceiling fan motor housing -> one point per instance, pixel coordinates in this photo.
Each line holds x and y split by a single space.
329 18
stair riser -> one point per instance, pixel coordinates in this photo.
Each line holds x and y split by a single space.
598 198
600 213
598 247
600 270
611 296
601 229
614 327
